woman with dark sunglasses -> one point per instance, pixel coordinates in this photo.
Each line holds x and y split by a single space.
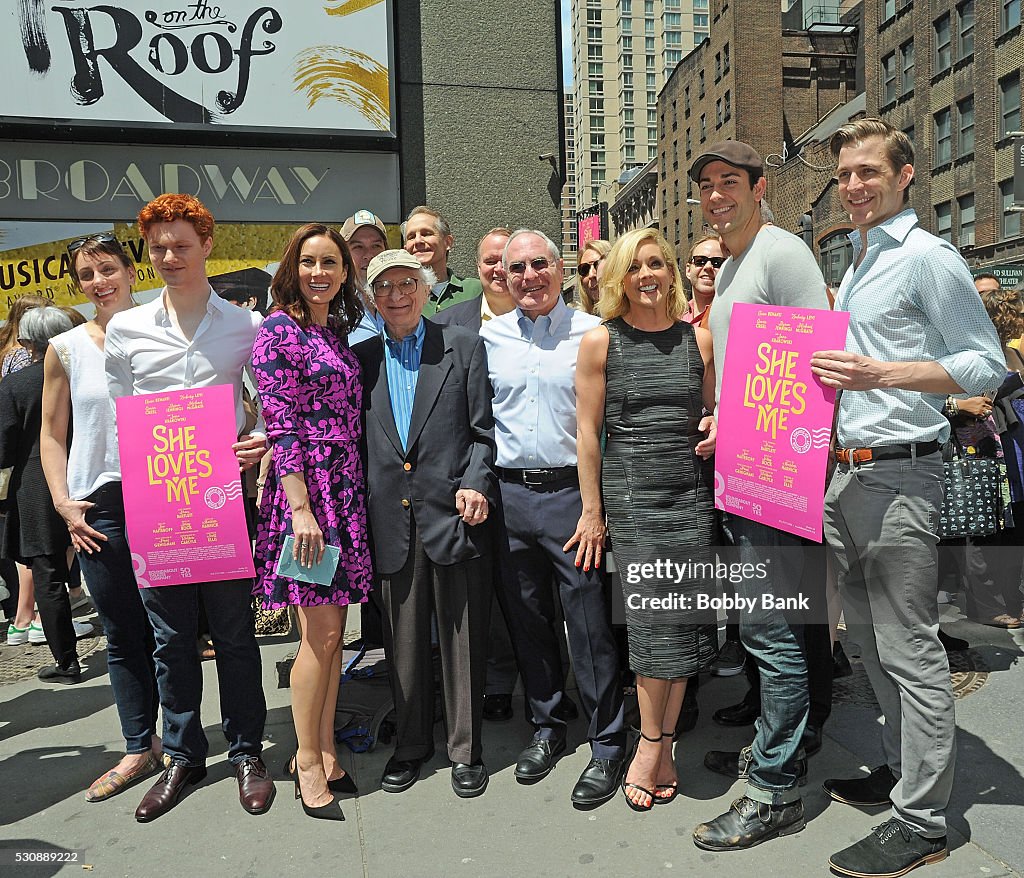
85 482
588 268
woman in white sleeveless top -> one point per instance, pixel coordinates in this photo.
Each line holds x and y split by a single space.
84 475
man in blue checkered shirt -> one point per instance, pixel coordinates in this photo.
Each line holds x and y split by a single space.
918 331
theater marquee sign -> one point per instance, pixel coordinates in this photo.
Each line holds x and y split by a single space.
316 66
53 181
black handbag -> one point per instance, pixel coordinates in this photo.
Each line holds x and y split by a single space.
973 505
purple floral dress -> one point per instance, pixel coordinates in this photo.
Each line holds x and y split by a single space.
311 394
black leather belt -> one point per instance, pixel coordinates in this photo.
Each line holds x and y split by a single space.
538 476
885 452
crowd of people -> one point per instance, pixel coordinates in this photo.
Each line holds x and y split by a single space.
464 453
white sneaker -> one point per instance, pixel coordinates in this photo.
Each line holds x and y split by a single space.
36 634
16 636
82 629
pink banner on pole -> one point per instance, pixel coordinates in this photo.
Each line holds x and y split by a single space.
183 498
588 229
775 417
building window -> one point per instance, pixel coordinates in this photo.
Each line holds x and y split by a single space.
1010 226
627 44
965 208
595 87
1009 104
672 58
678 239
595 71
652 134
594 53
675 190
630 152
627 97
889 78
701 24
686 101
626 59
909 131
907 67
596 105
597 141
675 116
943 138
943 45
1011 14
718 66
628 116
728 106
965 110
965 30
626 25
700 84
593 16
593 34
652 80
629 134
944 221
703 127
836 257
725 58
888 9
689 143
718 113
675 153
673 19
597 123
597 158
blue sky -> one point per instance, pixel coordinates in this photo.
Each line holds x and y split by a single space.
566 43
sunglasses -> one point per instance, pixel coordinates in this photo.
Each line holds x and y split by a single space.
538 264
584 268
701 261
101 238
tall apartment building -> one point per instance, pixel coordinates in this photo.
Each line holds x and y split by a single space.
948 72
623 52
569 207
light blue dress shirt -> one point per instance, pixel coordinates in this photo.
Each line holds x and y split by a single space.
402 363
370 326
912 299
532 367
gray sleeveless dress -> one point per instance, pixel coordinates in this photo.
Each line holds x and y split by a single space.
658 494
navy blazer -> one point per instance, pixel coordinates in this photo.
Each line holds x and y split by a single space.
450 447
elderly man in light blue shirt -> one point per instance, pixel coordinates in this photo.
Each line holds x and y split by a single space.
918 331
531 356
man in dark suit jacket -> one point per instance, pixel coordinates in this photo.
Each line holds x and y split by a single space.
429 437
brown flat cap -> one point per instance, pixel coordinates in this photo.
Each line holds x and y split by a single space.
732 152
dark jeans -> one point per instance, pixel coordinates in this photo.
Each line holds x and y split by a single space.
774 639
49 576
111 579
173 611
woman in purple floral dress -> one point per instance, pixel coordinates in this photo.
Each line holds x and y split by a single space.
310 390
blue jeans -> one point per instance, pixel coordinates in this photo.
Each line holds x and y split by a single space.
174 613
774 638
111 580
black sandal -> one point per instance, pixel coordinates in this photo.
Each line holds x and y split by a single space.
664 800
627 785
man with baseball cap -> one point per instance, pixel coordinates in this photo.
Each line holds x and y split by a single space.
366 237
766 266
431 490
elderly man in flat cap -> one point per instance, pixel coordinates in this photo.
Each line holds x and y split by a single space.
431 488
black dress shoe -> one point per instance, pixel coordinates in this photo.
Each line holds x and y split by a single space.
567 710
688 713
469 780
537 760
497 708
598 783
811 740
255 785
748 823
874 789
400 774
737 764
166 792
892 849
741 714
56 674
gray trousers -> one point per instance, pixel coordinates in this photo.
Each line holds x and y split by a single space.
880 520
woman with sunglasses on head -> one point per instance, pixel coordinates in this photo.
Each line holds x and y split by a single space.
647 378
702 263
85 483
588 271
310 387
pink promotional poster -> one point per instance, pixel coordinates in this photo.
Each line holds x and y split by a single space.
183 498
775 417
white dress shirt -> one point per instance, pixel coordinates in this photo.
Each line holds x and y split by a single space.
146 352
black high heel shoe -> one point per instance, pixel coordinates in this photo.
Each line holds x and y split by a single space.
343 784
330 811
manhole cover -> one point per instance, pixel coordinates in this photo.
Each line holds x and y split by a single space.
967 671
22 662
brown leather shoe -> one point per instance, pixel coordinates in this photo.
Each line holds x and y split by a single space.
255 785
166 792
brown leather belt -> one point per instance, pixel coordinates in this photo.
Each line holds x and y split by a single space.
886 452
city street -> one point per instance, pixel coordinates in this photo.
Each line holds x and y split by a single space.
54 740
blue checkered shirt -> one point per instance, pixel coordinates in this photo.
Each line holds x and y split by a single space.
912 299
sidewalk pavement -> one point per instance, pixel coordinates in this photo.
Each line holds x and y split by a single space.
54 740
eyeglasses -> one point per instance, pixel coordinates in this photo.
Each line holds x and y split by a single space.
538 265
701 261
101 238
584 268
395 289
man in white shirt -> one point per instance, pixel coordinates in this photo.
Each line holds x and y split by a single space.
190 337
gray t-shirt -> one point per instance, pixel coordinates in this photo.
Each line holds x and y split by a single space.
777 268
